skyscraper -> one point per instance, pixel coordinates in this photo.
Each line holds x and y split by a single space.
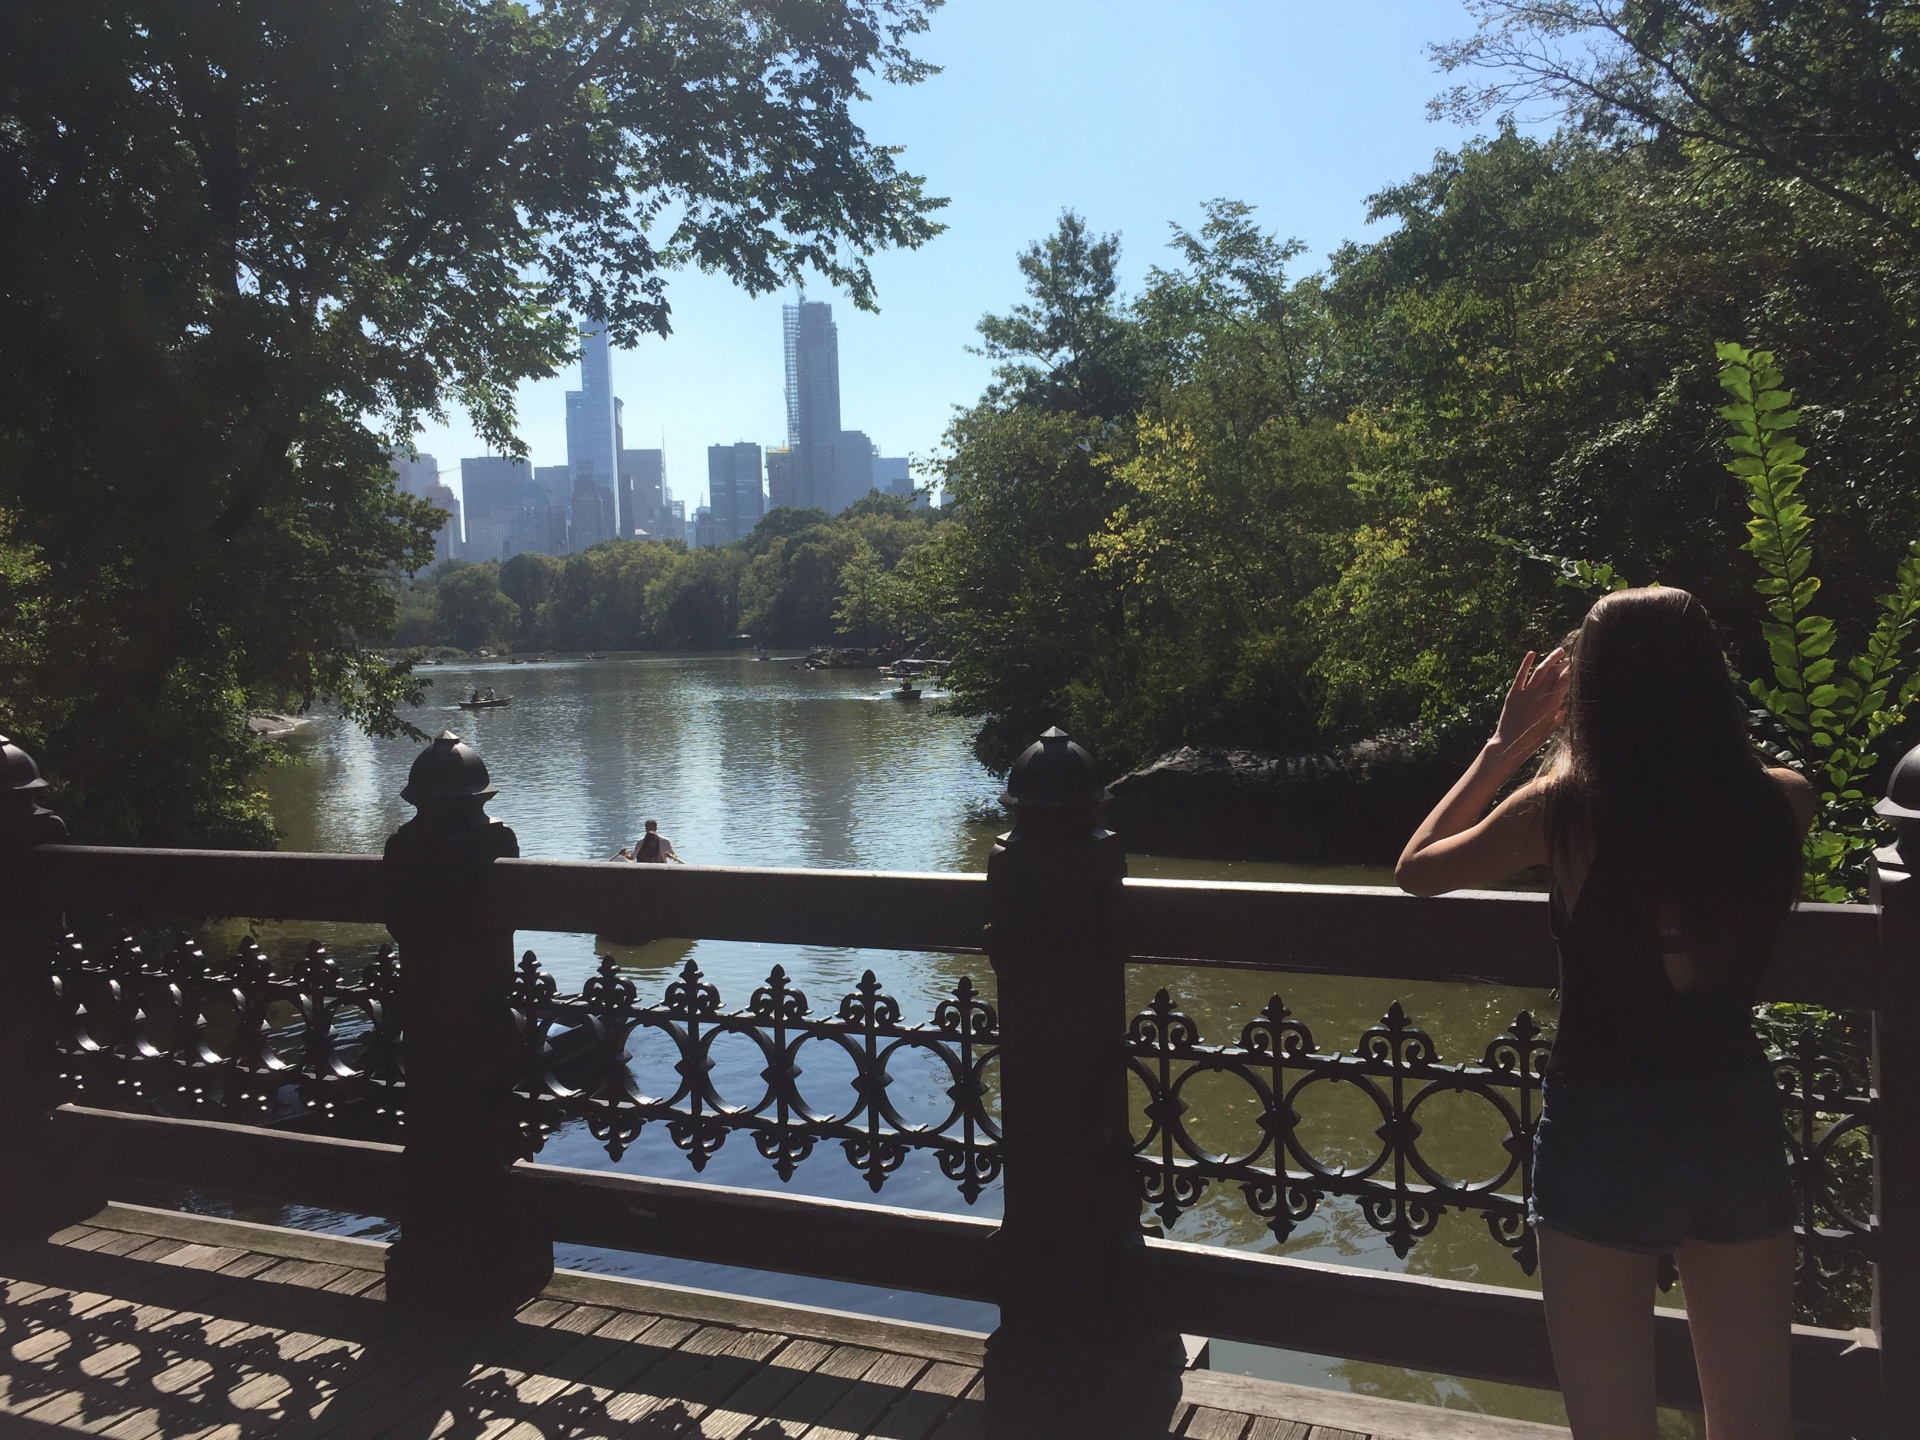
852 470
421 477
497 489
643 480
733 490
593 441
782 481
448 543
813 403
892 475
412 477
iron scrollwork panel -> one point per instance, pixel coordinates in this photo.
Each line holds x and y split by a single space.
576 1053
1396 1067
179 1034
1829 1120
1401 1193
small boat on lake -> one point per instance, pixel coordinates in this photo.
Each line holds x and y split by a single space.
493 703
905 691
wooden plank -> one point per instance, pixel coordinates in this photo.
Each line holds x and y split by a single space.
202 1257
309 1274
406 1356
381 1401
875 1393
1482 1332
823 1387
1328 1432
97 1401
357 1176
257 884
854 909
935 1342
198 1337
651 1339
929 1401
762 1230
494 1398
247 1235
828 1239
968 1419
1295 1409
699 1376
1206 1423
762 1397
410 1381
71 1235
1827 956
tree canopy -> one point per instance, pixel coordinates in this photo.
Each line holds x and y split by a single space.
1332 503
245 248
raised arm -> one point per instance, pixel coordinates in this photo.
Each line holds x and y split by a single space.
1455 847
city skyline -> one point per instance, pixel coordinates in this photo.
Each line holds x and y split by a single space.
507 506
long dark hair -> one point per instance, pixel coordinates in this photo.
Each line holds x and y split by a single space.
1655 771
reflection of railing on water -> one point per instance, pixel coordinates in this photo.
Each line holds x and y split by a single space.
166 1064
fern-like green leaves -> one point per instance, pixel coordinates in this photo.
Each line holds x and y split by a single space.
1832 714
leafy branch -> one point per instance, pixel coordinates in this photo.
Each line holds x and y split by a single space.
1832 715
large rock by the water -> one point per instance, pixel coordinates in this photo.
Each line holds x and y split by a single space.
1352 806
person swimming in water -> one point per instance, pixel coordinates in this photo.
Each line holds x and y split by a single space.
652 848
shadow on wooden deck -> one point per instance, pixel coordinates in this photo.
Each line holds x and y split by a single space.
145 1324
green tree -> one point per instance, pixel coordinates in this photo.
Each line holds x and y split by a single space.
248 247
470 610
861 595
600 601
1069 346
695 604
529 580
1822 92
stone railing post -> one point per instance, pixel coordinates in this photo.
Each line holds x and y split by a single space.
1066 1359
1896 1083
31 1195
469 1243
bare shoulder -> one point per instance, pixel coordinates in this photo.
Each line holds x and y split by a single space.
1798 792
1528 800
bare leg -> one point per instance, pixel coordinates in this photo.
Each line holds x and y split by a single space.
1740 1308
1600 1319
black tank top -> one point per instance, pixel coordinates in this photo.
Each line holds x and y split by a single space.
1621 1018
648 851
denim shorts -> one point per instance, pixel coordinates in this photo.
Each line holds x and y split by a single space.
1645 1165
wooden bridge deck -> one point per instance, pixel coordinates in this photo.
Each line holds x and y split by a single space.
145 1324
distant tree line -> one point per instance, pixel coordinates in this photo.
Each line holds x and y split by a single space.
801 578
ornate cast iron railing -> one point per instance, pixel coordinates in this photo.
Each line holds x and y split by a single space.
1830 1118
175 1033
575 1054
1400 1191
309 1049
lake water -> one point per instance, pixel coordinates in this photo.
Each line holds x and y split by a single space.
766 763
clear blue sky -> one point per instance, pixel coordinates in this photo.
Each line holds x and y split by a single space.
1132 112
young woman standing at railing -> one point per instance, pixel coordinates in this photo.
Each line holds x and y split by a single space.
1675 857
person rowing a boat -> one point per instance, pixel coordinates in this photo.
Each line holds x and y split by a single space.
653 848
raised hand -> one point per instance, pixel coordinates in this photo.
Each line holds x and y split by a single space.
1536 703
